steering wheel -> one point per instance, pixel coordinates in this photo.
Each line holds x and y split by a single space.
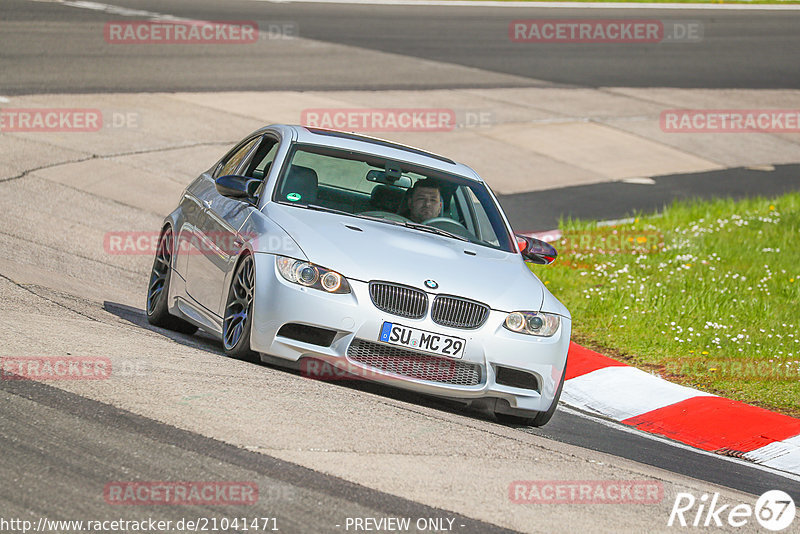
384 215
448 225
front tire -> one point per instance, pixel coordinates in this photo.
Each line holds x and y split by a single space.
158 289
238 321
541 418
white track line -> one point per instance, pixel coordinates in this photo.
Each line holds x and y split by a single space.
784 454
554 5
678 444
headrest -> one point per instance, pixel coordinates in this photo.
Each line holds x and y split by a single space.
386 197
300 185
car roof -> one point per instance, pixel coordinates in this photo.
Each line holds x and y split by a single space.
373 145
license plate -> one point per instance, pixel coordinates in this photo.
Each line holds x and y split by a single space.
413 338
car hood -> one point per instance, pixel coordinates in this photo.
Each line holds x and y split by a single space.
367 250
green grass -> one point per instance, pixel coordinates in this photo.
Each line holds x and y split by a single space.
705 293
776 2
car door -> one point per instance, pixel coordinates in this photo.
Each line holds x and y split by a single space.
215 241
256 166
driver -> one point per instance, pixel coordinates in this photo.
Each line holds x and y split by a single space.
424 201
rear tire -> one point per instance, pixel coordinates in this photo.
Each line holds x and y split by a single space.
238 321
158 289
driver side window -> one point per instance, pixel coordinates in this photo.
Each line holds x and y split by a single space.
229 167
262 161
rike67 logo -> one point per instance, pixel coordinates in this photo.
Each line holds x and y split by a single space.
774 510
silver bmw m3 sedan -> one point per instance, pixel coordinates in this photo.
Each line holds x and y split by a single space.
319 249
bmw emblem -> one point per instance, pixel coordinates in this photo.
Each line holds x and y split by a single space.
430 284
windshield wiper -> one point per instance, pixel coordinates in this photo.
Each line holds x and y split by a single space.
326 209
407 224
434 230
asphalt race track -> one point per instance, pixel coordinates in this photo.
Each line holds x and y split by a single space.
735 52
617 200
319 452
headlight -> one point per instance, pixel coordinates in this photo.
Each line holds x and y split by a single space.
533 323
331 281
310 275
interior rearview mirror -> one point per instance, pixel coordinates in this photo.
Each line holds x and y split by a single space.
382 177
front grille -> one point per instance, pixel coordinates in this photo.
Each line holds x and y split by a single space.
399 300
458 313
414 364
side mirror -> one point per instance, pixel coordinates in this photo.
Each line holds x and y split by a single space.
535 250
234 186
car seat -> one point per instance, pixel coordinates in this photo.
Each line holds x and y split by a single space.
300 185
386 198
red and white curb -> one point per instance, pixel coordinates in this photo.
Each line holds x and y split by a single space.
600 385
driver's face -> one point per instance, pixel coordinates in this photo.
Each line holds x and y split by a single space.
425 204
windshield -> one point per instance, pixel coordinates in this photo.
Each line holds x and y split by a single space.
369 186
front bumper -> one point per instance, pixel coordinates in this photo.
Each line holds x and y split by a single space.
357 324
